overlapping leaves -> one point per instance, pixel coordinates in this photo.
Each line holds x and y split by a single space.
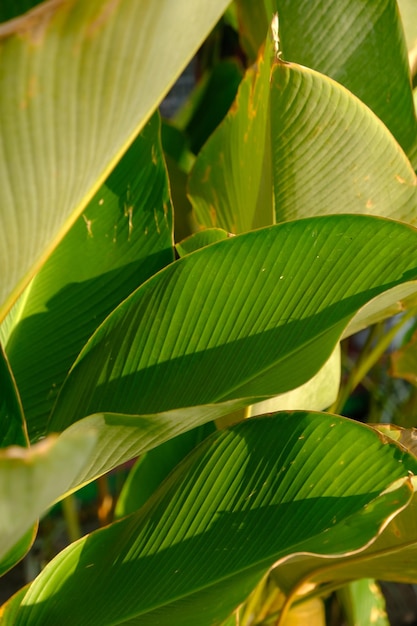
78 80
123 237
267 473
297 144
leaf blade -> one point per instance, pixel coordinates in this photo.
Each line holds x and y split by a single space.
261 474
63 127
196 317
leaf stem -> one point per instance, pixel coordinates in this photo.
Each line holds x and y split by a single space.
70 513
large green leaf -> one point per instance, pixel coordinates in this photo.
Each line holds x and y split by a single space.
221 519
348 260
32 479
393 556
307 147
359 44
364 32
230 184
78 80
331 154
152 468
237 319
123 237
124 437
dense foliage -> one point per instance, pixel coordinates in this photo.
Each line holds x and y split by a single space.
176 291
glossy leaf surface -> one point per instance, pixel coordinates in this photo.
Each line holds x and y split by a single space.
267 473
123 237
364 33
151 469
392 557
240 301
298 141
360 45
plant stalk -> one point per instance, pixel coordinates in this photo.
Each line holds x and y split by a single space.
368 358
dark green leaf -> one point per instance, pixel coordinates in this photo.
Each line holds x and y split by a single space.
232 508
123 237
237 319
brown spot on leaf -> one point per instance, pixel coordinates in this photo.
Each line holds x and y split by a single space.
31 92
234 108
206 175
102 17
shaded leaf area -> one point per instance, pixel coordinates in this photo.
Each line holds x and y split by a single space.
72 99
237 319
230 185
297 144
40 475
9 610
13 8
179 160
184 221
151 469
208 103
244 493
123 237
364 32
254 22
12 421
392 557
175 145
121 438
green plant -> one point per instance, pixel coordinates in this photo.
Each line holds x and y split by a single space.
118 343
